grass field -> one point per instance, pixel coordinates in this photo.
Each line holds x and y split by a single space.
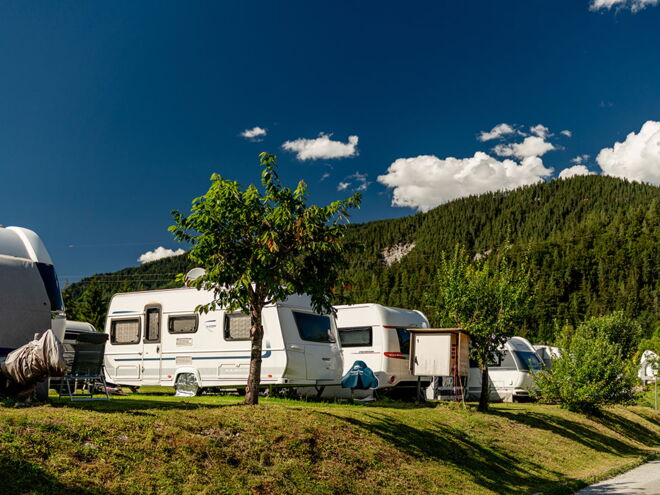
150 443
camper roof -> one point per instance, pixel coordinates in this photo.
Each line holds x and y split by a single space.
23 243
374 314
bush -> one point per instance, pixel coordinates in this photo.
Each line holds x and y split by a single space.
591 372
619 329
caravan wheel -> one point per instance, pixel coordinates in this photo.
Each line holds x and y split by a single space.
186 385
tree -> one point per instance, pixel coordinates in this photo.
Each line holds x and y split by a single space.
590 373
259 247
92 306
619 329
488 299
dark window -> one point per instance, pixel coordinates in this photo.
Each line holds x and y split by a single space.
182 324
404 340
237 326
125 331
313 327
506 362
152 324
52 286
528 360
355 337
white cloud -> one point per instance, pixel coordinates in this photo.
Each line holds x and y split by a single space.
531 146
254 134
540 131
637 158
357 181
633 5
498 131
158 253
426 181
580 159
324 176
322 147
573 171
566 133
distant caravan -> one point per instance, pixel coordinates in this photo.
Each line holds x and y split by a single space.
157 338
510 378
379 336
30 297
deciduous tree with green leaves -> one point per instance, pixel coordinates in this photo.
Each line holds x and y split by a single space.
261 246
489 299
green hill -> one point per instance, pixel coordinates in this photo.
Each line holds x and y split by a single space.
592 243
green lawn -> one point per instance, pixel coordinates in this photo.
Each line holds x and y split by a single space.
150 443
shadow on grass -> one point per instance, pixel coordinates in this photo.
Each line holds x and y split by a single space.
18 477
628 428
579 433
136 406
489 466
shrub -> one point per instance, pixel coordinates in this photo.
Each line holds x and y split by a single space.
591 372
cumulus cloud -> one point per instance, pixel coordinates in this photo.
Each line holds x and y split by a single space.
566 133
580 159
540 131
356 181
637 158
254 134
573 171
322 147
158 253
633 5
530 146
426 181
496 132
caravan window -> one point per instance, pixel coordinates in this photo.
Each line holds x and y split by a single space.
237 326
313 327
528 360
125 331
507 362
152 325
356 337
182 324
403 334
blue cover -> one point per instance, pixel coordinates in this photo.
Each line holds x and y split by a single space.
359 376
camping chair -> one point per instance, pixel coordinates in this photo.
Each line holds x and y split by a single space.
87 368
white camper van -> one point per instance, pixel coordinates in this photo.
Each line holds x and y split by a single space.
157 338
511 376
547 353
378 336
30 297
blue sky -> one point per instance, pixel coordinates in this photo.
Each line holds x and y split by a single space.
114 113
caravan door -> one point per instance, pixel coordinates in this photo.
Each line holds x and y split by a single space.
322 356
151 345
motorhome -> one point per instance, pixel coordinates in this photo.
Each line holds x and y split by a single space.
30 297
379 336
510 376
157 338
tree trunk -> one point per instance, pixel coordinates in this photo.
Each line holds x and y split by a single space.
485 390
254 378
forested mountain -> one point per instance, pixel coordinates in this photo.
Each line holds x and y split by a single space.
592 244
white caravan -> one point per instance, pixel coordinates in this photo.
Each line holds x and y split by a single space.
547 353
379 336
157 338
30 297
648 365
511 376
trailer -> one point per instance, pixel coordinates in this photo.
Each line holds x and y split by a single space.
379 336
158 338
30 297
511 376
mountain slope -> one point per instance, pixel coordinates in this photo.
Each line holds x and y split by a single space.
592 244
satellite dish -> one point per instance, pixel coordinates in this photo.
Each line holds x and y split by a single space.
193 274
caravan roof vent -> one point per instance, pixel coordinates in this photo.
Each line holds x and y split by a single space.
194 274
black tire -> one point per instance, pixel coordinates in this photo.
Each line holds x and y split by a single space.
41 391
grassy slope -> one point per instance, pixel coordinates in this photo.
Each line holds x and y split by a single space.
158 444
